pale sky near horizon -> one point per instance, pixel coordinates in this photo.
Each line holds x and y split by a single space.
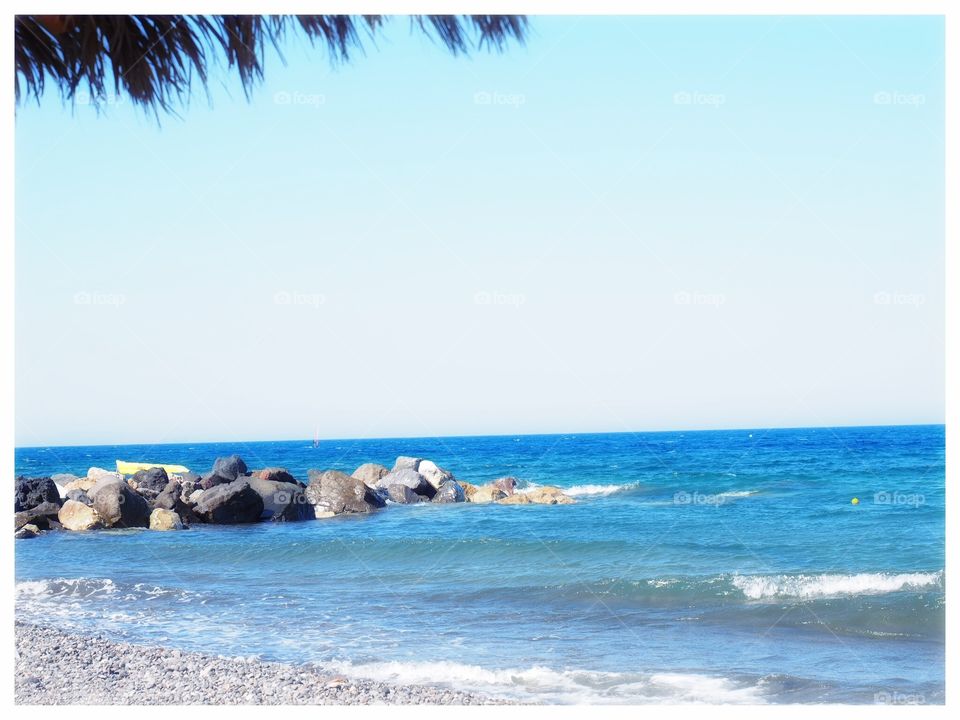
626 224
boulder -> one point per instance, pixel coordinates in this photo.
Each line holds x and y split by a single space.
402 495
119 505
435 475
79 496
96 473
211 480
406 463
282 501
169 497
518 499
230 467
486 494
370 473
276 474
189 483
337 492
549 495
228 503
195 496
30 492
77 516
27 531
411 478
468 488
450 492
153 479
41 515
507 484
161 519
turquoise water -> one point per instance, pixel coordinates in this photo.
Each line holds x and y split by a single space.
696 566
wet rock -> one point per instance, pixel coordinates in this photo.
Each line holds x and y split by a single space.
79 496
508 484
450 492
549 495
337 492
411 478
30 492
276 474
27 531
161 519
282 501
518 499
78 517
229 503
41 515
119 505
153 479
402 495
487 494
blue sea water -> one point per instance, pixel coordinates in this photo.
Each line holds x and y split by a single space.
726 566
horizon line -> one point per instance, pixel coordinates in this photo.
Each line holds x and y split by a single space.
500 435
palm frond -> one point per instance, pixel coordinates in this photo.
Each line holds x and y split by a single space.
154 59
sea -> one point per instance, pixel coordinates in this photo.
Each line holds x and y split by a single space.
742 566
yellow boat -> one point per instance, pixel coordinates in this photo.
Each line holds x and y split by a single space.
129 468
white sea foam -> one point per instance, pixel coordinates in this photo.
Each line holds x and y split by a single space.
583 490
561 686
758 587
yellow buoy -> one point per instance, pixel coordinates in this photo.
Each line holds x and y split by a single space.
855 501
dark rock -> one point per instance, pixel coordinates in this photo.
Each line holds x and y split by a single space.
230 467
337 492
403 495
119 505
30 492
154 479
507 484
411 478
41 515
228 503
79 496
450 492
282 501
27 531
212 480
172 499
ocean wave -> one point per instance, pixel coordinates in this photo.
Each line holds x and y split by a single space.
760 587
563 686
583 490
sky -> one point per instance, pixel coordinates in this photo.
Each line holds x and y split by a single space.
625 224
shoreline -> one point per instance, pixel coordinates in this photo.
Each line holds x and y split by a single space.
54 667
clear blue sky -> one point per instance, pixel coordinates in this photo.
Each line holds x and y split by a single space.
627 224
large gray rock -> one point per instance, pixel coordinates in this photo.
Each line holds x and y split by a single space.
41 515
161 519
282 501
79 496
406 463
153 479
30 492
172 499
229 503
370 473
337 492
402 494
26 532
435 475
225 470
119 505
450 492
410 478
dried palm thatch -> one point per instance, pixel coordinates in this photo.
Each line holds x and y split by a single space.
154 58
